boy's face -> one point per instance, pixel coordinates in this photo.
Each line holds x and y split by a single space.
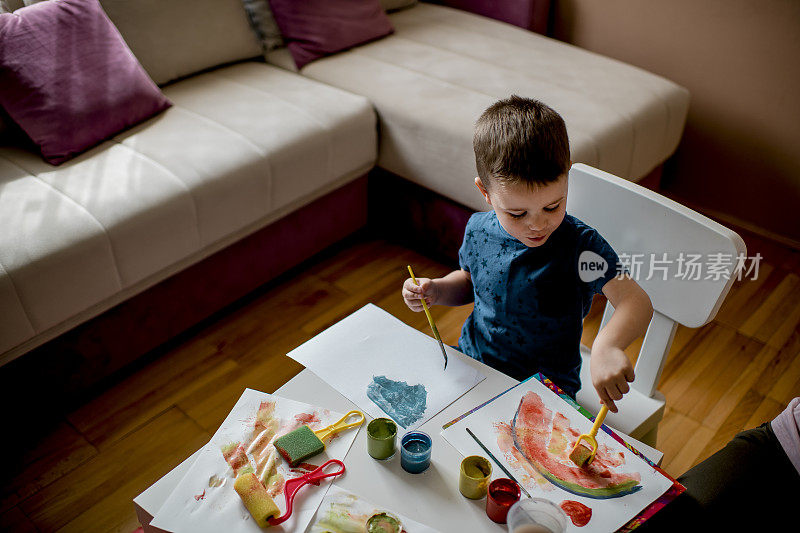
529 214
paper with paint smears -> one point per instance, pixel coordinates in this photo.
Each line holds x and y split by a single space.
204 500
532 430
386 367
403 402
344 512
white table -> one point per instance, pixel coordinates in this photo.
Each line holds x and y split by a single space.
431 497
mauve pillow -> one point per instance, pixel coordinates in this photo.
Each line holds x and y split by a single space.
316 28
68 79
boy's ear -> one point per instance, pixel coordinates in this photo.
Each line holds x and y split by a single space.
484 192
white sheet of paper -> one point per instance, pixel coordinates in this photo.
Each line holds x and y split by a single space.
343 512
204 501
607 514
371 348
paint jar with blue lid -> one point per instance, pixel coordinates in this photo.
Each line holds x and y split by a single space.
415 452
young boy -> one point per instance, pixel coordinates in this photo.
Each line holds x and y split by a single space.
519 262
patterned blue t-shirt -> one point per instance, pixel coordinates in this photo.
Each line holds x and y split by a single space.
530 302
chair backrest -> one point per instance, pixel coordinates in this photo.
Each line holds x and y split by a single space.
666 242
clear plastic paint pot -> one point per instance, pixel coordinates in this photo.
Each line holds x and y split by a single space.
536 515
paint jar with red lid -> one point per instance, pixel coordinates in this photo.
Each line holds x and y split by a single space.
502 494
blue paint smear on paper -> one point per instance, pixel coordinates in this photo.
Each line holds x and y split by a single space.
404 403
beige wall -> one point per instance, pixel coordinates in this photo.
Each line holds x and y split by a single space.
740 153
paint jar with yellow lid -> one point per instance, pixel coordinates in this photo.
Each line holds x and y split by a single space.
474 477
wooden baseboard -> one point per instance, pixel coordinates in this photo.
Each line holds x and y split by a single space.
743 227
738 225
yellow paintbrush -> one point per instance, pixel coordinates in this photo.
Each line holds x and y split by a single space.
430 320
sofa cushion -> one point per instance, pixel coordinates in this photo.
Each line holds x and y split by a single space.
68 79
431 80
57 261
175 38
242 146
316 28
288 136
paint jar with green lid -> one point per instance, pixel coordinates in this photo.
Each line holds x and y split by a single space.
381 438
474 477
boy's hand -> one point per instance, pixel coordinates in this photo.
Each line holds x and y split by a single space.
413 293
611 372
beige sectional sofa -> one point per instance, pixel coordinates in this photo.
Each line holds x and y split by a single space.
247 143
442 67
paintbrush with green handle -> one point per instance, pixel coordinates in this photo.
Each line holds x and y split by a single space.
430 319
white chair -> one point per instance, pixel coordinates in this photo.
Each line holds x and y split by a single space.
636 220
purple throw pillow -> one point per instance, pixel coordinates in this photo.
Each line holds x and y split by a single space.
68 79
316 28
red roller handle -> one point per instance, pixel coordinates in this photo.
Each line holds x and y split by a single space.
295 484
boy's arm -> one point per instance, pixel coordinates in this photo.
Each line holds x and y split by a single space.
611 369
453 289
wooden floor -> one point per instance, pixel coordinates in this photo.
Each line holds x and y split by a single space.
732 374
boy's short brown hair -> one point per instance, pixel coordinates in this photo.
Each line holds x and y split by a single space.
520 140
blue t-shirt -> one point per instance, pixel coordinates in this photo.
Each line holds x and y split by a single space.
530 302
